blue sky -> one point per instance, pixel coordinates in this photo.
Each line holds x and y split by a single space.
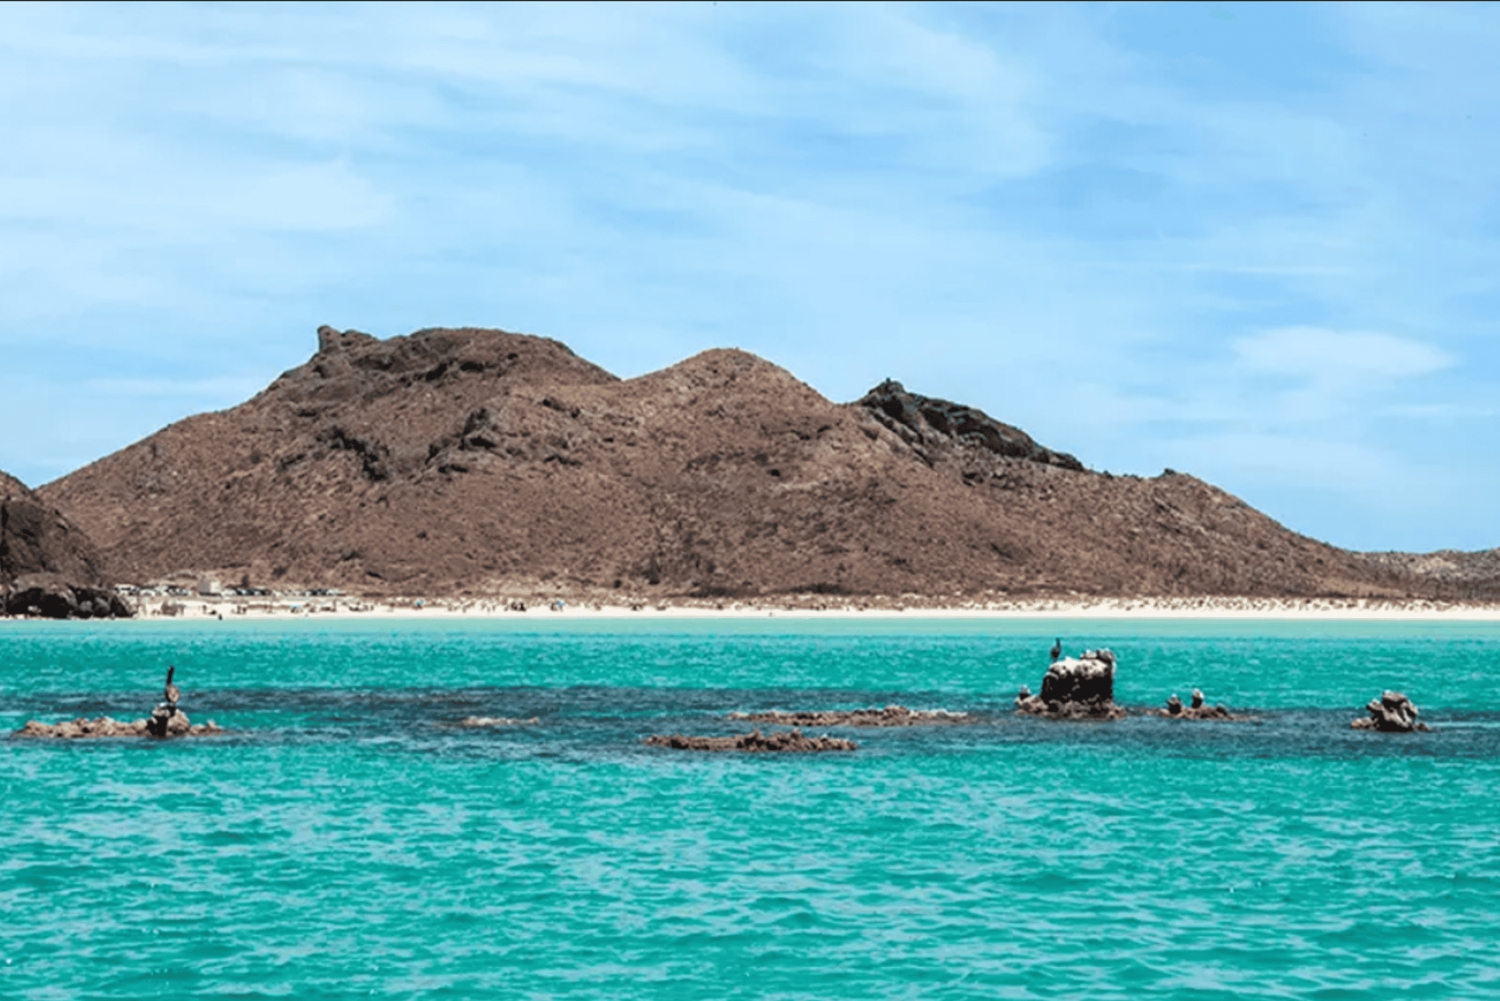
1257 243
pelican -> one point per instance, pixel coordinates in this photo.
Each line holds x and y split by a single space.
172 693
1056 650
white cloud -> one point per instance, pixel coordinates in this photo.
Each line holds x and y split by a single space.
1024 208
1323 355
166 196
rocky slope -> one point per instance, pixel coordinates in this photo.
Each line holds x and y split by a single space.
48 566
477 461
36 538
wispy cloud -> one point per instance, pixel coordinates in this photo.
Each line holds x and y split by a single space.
1332 356
1152 235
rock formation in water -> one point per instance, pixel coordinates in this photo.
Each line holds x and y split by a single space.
166 720
48 566
104 726
786 741
454 462
1199 709
1081 689
1393 712
889 716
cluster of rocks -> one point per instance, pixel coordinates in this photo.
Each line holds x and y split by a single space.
1393 712
1199 709
892 715
928 423
1082 688
52 596
166 720
786 741
176 725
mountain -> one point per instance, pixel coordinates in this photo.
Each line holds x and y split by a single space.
48 566
465 461
36 538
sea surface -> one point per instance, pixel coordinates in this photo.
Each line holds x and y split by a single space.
347 839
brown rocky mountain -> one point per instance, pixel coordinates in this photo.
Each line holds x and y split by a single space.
477 461
36 538
48 564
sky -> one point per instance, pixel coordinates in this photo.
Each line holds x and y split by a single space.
1256 243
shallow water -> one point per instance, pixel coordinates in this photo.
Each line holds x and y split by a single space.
348 840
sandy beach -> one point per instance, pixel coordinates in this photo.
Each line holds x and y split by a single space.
197 608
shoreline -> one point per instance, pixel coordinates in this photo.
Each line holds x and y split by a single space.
200 608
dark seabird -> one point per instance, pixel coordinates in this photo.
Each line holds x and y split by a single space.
171 694
1056 650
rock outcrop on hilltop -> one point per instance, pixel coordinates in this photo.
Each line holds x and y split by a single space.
938 428
48 566
467 461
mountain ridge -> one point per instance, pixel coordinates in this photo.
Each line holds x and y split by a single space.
471 461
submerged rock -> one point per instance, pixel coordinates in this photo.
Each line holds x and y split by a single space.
892 715
1075 689
483 721
104 726
1393 712
786 741
1198 710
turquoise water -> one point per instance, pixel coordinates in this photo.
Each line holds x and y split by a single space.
347 840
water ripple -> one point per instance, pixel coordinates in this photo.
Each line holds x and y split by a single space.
346 839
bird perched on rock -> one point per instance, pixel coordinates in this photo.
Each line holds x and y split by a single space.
1056 650
171 694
